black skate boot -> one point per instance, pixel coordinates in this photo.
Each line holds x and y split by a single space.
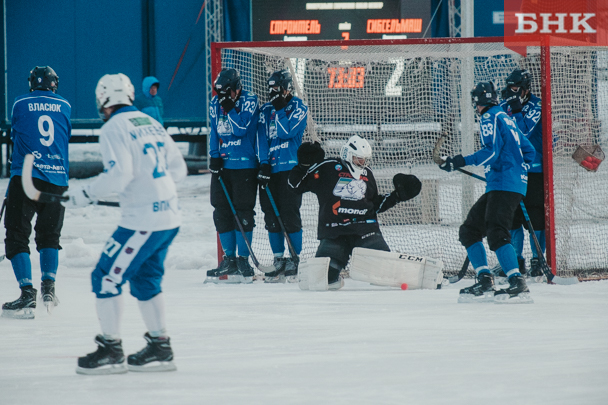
225 272
47 291
291 269
23 307
108 359
516 293
482 291
245 269
156 356
334 279
277 276
522 266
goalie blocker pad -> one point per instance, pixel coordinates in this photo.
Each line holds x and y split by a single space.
392 269
312 274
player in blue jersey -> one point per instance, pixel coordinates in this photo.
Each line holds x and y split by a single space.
40 126
282 124
233 150
523 106
506 155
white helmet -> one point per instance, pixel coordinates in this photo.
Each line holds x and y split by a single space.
357 154
113 90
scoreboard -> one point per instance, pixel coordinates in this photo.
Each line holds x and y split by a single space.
301 20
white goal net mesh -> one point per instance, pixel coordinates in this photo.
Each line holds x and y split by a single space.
402 98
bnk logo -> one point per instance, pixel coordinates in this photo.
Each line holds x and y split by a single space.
528 23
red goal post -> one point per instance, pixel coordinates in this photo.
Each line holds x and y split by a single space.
402 95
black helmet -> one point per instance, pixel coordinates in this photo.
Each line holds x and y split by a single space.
520 78
43 78
484 94
227 80
281 78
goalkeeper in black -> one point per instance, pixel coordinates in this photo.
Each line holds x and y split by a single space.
348 200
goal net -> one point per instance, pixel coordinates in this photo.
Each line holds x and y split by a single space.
403 95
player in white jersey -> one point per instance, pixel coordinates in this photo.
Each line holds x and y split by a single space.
141 164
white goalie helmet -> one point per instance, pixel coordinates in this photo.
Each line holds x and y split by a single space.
357 154
113 90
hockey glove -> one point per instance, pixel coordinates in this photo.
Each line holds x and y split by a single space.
407 186
226 102
216 165
513 100
78 197
277 100
310 153
264 175
453 163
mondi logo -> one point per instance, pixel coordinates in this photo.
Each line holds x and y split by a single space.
528 23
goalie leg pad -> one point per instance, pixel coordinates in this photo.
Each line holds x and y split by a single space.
393 269
312 274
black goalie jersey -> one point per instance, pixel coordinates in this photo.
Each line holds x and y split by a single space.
346 206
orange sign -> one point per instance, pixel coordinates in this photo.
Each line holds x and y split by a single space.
394 26
291 27
346 78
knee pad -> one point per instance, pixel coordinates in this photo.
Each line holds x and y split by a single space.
103 285
223 220
145 288
246 218
468 237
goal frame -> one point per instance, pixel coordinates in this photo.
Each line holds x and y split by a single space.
545 66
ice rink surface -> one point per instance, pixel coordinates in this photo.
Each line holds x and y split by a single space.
275 344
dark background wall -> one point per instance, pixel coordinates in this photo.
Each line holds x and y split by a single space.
83 40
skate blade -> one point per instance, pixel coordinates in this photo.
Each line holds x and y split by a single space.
154 366
103 370
471 299
25 313
521 298
291 279
275 280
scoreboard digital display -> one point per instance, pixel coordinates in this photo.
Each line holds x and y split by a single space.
300 20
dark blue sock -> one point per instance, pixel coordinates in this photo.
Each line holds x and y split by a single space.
296 241
22 268
277 243
517 240
540 235
228 240
508 260
49 261
240 241
477 256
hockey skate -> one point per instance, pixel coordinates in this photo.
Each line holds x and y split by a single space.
336 285
482 291
23 307
536 273
108 359
226 272
277 276
516 293
47 292
156 356
245 270
291 269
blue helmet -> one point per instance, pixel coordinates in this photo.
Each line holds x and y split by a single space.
227 80
484 94
43 78
281 78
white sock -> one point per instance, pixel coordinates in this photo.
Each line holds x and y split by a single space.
153 312
109 312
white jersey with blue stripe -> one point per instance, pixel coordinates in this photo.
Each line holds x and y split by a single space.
141 164
506 154
41 126
283 132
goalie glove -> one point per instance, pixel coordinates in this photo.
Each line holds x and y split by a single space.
407 186
77 197
310 153
453 163
225 101
277 100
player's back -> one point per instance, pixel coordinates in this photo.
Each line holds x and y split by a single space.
41 126
138 151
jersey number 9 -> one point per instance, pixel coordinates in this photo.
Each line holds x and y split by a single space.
50 133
